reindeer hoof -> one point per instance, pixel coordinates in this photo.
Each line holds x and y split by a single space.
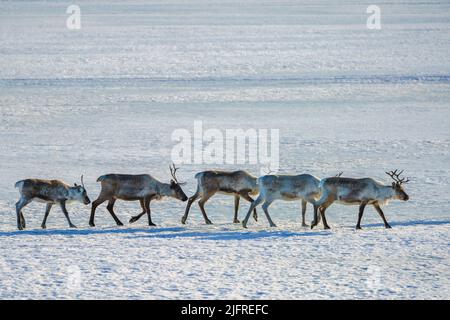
326 228
20 227
236 221
208 222
73 226
152 224
91 224
273 225
388 226
304 225
183 220
133 219
255 217
44 227
120 224
358 228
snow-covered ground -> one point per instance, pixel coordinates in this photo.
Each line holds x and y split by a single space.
107 98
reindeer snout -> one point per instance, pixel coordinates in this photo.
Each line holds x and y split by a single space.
406 198
87 201
184 198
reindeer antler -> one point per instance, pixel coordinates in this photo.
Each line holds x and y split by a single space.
269 170
82 182
173 171
339 174
396 176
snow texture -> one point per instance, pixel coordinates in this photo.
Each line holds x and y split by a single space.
106 98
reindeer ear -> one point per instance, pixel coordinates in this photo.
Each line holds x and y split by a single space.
393 184
75 185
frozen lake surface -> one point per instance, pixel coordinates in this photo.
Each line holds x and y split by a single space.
107 98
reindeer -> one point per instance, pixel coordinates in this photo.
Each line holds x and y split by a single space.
238 183
50 192
141 187
302 187
360 192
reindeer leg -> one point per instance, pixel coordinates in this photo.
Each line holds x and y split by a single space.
324 219
360 214
110 208
201 204
325 201
304 213
147 208
64 210
136 218
189 204
249 199
316 220
19 206
95 204
22 220
252 207
380 212
236 208
47 211
265 207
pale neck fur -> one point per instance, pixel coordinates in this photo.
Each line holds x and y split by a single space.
385 193
71 193
164 189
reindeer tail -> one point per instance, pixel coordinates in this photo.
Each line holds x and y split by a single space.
19 184
102 178
198 175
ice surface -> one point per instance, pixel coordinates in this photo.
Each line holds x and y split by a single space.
106 99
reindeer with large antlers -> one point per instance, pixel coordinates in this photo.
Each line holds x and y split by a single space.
141 187
50 192
360 192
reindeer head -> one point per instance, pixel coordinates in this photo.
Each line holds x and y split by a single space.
79 193
175 186
397 185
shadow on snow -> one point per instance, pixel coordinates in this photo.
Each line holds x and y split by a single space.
166 233
235 235
184 232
